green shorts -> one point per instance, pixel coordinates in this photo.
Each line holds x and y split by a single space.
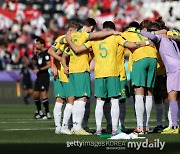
58 89
81 84
124 90
160 89
107 87
67 88
144 72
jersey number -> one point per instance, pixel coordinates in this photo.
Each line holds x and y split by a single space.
105 51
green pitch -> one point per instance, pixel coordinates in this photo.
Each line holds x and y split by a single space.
18 127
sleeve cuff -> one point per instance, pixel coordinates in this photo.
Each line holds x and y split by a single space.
125 43
85 46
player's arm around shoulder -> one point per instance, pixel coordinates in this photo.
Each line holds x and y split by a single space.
135 45
102 34
76 49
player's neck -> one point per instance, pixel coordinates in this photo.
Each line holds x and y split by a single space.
85 29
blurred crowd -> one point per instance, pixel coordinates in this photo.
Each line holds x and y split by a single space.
21 21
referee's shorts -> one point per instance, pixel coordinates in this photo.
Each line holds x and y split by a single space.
42 82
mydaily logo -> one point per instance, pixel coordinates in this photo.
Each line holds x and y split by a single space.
156 143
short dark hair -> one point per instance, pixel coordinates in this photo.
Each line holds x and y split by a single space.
109 24
154 26
160 22
40 40
90 22
145 24
74 24
134 24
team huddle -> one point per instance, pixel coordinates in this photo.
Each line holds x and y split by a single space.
154 65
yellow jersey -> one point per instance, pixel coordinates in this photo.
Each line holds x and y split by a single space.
105 52
120 62
161 69
130 62
62 47
57 45
142 52
79 62
63 77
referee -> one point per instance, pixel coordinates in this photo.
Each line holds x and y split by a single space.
42 64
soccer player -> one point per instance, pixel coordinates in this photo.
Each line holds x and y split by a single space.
143 76
55 66
161 82
42 64
62 87
106 78
78 70
107 104
170 56
159 90
174 35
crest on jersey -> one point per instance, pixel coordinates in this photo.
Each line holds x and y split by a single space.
40 61
47 57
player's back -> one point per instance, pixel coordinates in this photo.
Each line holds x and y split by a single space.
79 62
105 51
142 52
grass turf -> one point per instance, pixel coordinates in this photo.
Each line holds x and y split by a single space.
17 126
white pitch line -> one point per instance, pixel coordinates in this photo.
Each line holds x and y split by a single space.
23 122
19 129
29 119
5 122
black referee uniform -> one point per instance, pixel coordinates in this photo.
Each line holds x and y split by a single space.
42 83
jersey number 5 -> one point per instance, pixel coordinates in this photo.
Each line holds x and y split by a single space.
101 47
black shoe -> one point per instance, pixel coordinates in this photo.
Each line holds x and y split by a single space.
89 130
46 116
158 129
37 116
